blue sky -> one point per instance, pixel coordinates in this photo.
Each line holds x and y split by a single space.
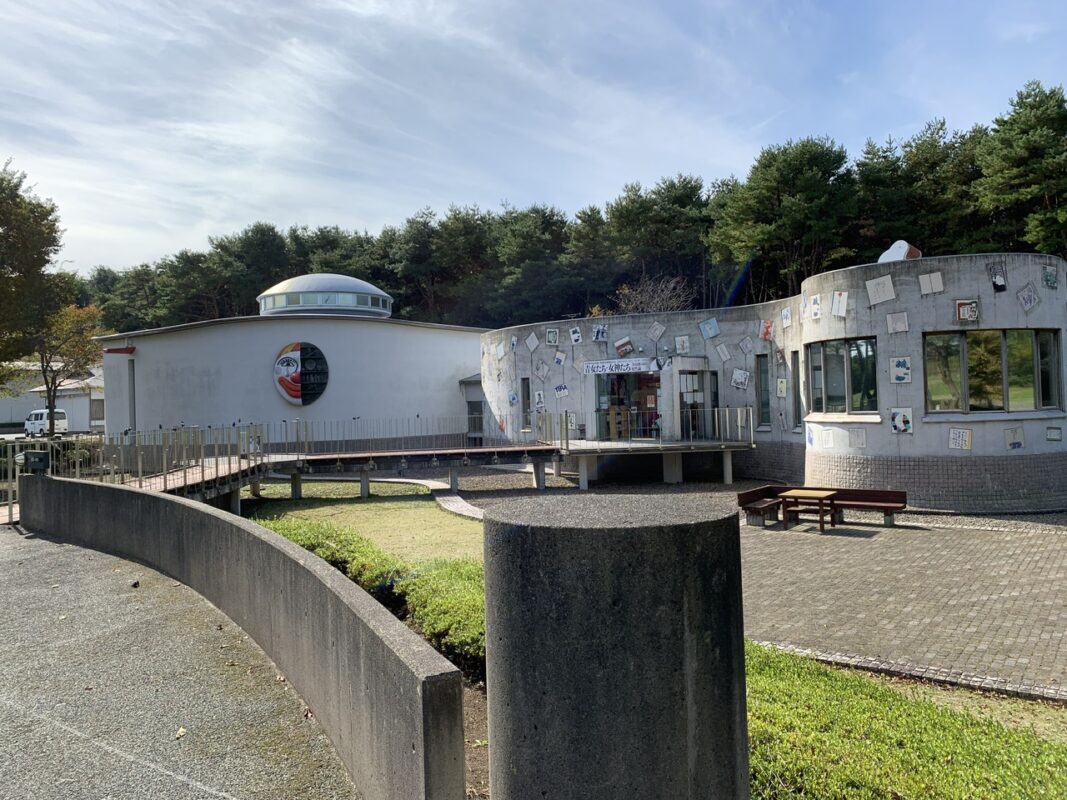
154 125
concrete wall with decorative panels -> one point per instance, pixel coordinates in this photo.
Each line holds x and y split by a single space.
981 460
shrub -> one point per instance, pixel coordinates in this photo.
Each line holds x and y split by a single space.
446 601
367 565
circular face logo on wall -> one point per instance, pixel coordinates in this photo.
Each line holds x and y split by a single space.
301 373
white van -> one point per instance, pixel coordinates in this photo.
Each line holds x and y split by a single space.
37 422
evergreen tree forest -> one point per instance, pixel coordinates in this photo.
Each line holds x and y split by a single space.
806 206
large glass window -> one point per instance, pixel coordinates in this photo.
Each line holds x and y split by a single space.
992 370
525 401
763 389
797 410
985 370
833 370
843 376
815 381
863 375
943 357
1048 365
1019 356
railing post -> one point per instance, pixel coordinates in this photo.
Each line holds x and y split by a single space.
13 484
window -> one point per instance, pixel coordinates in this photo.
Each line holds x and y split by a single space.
292 299
96 409
362 300
376 302
798 411
525 399
763 390
992 370
474 417
842 377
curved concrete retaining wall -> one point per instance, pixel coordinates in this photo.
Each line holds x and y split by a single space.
390 704
614 647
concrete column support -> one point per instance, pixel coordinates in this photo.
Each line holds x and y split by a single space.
538 475
453 479
234 498
647 698
296 486
364 484
672 467
587 471
557 467
727 466
257 489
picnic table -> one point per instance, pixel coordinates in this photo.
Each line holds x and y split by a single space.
821 499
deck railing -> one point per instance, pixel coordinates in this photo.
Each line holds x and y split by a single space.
192 456
620 425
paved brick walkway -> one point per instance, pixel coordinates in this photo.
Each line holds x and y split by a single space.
985 608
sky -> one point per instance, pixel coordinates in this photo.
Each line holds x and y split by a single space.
156 125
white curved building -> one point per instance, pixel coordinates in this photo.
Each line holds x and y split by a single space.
323 350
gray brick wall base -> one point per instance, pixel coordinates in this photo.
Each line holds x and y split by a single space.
981 484
777 461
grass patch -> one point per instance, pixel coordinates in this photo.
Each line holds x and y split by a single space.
817 732
814 731
402 519
1044 719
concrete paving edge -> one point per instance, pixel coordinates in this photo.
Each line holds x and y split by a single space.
391 705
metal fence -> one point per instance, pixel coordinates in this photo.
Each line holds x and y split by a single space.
620 425
180 458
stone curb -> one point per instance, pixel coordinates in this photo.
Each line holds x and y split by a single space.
1026 690
454 504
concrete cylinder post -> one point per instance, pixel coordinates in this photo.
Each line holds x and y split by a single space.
538 475
615 653
296 486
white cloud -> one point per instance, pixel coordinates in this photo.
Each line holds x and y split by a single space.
155 125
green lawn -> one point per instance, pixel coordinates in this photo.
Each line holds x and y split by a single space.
402 519
815 732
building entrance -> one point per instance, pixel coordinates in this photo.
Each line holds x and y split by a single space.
628 406
698 397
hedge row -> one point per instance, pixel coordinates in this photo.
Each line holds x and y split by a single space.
445 600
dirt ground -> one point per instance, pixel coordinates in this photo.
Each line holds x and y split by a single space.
476 740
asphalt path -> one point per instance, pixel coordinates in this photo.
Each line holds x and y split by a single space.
119 682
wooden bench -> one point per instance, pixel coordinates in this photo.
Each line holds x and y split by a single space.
763 502
888 501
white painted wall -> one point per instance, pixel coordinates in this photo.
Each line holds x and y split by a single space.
216 373
16 406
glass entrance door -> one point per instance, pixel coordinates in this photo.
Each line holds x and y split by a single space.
628 405
698 396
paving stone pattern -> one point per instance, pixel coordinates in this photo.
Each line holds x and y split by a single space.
976 601
983 608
